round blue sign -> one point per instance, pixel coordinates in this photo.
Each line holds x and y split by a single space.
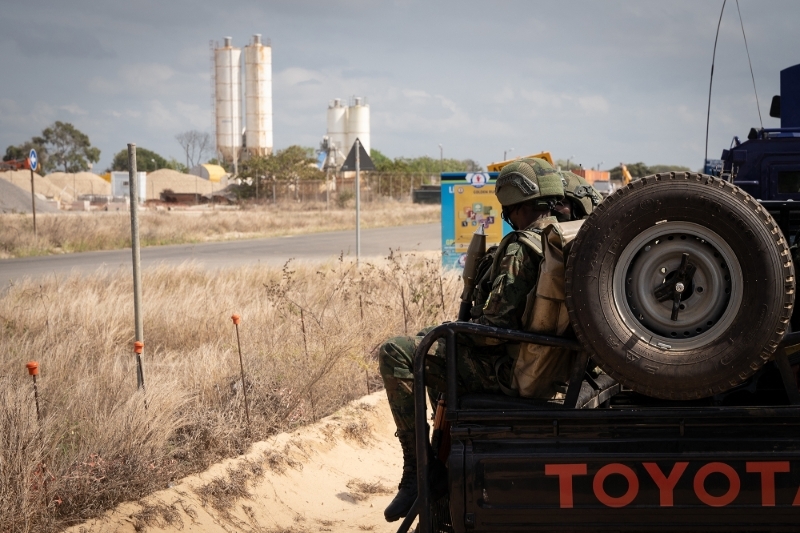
32 159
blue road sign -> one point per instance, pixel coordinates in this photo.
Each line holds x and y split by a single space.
32 159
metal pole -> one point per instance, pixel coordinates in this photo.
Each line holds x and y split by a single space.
234 129
236 319
33 204
358 202
327 189
137 275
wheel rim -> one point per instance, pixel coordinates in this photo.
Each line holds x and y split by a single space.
710 299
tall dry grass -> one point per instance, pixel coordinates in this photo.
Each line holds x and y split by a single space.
82 232
308 335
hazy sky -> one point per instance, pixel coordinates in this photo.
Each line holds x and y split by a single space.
601 81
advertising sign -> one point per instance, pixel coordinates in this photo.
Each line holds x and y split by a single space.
468 201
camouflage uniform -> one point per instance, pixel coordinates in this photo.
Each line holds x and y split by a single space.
500 298
505 297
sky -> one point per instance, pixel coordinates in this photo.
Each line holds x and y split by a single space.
597 82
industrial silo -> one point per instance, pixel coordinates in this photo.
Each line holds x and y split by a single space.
228 100
258 97
358 123
337 126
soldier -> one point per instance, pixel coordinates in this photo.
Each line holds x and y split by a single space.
529 191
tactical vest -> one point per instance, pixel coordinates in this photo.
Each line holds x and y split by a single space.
538 371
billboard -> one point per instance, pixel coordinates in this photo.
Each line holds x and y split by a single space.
468 201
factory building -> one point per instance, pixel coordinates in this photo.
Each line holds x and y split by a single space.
258 97
233 141
346 124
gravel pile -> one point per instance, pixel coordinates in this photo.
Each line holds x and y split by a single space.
164 179
80 183
16 200
43 186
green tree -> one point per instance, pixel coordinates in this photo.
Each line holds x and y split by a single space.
640 170
656 169
294 162
21 152
421 165
146 161
566 164
67 148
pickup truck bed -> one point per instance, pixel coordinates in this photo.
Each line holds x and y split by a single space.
622 462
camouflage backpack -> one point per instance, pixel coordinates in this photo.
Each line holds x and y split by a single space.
538 371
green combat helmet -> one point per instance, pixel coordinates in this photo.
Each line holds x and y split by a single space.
584 198
528 179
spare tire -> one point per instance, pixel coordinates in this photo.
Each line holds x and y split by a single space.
680 285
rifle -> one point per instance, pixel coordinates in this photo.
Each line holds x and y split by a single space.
475 252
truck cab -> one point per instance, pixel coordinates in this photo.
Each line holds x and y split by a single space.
767 164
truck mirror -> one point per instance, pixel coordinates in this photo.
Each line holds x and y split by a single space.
775 107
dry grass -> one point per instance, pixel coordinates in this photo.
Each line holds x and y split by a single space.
362 490
101 442
82 232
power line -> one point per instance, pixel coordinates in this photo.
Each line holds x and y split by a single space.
751 65
711 80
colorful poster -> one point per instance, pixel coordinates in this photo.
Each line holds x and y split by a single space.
468 201
474 207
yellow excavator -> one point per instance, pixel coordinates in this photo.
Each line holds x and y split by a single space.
497 167
626 175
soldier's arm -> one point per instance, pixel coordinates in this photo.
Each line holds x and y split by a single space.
518 274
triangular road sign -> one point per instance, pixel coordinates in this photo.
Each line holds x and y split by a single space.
364 161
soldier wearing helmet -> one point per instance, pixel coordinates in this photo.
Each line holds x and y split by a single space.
530 191
580 198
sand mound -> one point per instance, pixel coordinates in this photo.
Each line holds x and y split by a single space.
80 183
164 179
336 475
15 192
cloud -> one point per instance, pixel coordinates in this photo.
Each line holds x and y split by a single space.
56 41
594 104
74 109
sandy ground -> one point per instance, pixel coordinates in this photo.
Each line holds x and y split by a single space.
336 475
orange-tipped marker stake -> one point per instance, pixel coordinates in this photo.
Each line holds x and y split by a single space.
236 321
138 348
33 370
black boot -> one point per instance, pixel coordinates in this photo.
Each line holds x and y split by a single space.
402 503
437 478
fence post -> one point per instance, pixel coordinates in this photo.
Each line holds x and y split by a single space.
137 275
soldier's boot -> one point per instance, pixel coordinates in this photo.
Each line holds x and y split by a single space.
407 493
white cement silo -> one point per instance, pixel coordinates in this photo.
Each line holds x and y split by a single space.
228 100
358 124
337 125
258 97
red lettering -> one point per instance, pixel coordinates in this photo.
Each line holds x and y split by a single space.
612 501
666 485
716 501
767 470
565 473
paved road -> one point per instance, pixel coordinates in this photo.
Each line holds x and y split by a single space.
271 251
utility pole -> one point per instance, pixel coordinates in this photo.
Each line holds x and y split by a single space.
441 159
358 201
